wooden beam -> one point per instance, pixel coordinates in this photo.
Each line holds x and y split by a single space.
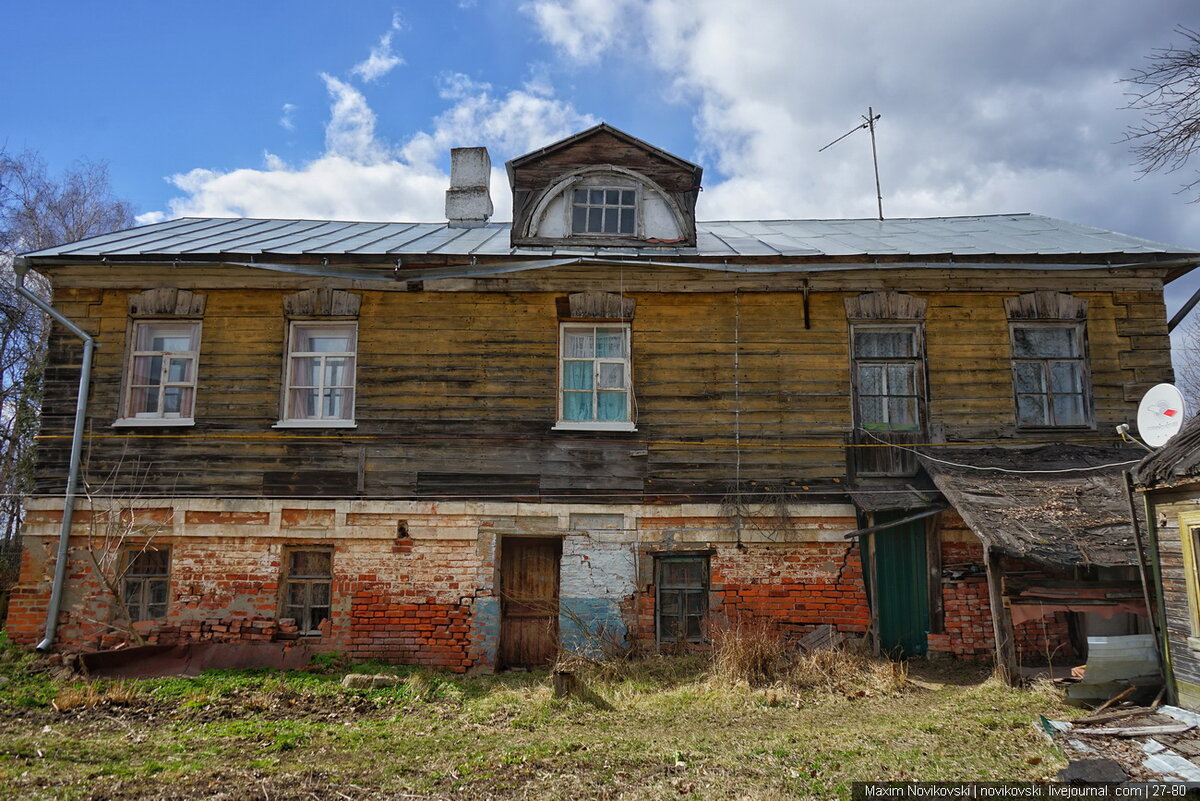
1006 651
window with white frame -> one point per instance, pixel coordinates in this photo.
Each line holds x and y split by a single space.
594 376
1050 379
320 373
160 386
888 381
604 210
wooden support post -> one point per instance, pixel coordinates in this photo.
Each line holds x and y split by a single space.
1006 649
565 684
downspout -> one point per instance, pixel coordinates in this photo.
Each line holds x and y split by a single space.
21 266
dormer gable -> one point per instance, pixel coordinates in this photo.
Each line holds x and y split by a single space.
602 187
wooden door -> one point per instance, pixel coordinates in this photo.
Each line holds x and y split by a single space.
902 587
529 601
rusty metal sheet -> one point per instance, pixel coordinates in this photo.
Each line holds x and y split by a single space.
192 659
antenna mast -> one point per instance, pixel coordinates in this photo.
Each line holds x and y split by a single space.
869 124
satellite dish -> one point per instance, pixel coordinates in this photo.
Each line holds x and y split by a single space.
1160 414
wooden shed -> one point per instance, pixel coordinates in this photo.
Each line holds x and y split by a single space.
1170 482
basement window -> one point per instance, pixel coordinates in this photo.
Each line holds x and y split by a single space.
160 385
145 583
681 604
307 587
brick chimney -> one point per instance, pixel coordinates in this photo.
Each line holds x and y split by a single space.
469 199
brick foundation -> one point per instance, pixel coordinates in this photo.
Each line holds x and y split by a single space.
417 582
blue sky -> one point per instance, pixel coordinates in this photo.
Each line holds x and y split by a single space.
347 110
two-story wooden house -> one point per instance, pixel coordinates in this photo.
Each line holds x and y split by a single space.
606 424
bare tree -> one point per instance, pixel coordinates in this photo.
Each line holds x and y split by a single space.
1187 362
36 211
1167 92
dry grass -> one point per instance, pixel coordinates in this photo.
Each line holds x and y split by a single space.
93 694
753 653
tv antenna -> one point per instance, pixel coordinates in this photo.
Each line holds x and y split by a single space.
869 124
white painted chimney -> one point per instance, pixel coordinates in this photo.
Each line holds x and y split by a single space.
469 198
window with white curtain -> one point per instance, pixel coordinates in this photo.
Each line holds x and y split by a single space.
320 373
160 383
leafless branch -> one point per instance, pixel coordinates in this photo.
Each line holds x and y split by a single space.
1167 92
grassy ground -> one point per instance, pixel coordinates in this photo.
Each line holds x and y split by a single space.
668 727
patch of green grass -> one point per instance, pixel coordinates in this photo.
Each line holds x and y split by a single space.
668 730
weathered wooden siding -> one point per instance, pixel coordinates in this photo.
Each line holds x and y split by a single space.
456 384
1185 660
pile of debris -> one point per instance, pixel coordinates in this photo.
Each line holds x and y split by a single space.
1128 742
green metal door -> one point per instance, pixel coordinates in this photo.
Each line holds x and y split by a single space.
902 587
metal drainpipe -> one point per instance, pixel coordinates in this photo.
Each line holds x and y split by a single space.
21 266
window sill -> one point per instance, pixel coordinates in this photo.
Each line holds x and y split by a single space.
315 424
156 422
591 425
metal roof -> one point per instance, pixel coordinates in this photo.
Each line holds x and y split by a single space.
990 235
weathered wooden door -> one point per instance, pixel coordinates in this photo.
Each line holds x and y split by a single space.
902 587
529 601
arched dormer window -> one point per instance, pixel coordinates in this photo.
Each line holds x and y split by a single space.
603 188
605 202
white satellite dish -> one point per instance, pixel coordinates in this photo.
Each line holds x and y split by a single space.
1160 414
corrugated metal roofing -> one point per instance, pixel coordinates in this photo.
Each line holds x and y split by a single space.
993 235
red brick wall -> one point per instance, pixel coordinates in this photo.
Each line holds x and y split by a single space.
794 586
1043 641
400 600
967 630
437 635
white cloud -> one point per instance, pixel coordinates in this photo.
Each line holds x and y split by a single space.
381 60
151 217
286 121
362 177
986 107
582 28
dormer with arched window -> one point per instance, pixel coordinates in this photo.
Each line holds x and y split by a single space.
605 188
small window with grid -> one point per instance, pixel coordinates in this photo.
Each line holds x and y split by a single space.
604 211
307 587
682 598
145 583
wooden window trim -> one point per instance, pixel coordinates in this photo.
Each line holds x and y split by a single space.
286 420
1080 329
303 623
128 419
629 424
139 608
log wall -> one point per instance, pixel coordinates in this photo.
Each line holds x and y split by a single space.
456 383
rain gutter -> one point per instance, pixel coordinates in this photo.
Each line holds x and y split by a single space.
21 267
400 275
